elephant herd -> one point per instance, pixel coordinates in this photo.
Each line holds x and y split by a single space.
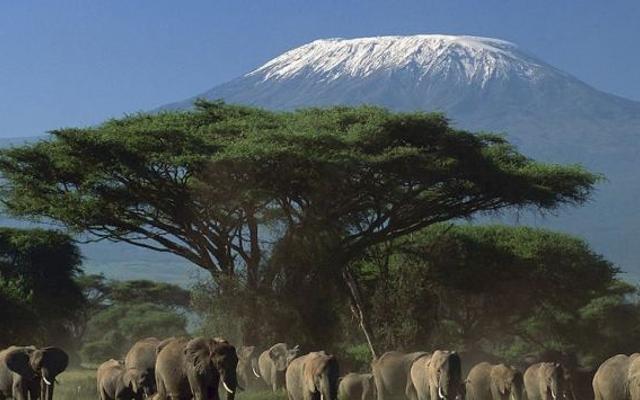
440 375
197 368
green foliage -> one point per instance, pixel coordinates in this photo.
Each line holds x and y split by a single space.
139 291
195 183
272 203
123 312
111 332
505 290
38 292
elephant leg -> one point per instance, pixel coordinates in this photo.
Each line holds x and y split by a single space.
433 392
379 388
20 391
34 393
410 391
634 389
213 393
161 393
198 388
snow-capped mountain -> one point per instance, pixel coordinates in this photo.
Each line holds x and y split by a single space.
472 60
481 84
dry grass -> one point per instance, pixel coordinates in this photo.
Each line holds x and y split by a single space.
77 384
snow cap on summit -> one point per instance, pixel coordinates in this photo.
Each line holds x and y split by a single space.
475 59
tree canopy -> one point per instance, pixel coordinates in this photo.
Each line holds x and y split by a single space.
38 291
230 188
498 289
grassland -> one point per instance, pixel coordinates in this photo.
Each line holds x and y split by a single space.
80 384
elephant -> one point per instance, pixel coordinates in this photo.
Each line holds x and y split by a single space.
140 363
248 376
471 358
357 387
436 376
274 362
26 371
391 372
313 376
488 381
618 378
545 381
577 379
115 382
194 368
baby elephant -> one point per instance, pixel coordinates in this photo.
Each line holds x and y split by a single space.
114 383
357 387
494 382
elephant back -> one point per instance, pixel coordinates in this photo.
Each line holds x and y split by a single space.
478 382
142 354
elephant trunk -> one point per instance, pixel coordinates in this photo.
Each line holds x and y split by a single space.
329 382
46 388
553 388
229 382
325 388
516 392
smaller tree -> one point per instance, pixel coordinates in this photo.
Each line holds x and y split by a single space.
122 312
39 295
501 289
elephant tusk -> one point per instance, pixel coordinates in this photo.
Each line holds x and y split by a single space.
226 387
440 395
255 373
321 396
44 378
553 395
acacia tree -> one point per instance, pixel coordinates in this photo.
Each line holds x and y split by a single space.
221 184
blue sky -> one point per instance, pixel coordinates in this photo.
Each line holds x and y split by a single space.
78 62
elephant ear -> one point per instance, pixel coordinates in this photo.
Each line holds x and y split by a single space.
197 353
54 360
455 366
309 374
18 361
277 350
499 379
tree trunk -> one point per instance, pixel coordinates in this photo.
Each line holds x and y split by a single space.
358 310
253 264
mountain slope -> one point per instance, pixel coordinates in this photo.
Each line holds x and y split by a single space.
481 84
